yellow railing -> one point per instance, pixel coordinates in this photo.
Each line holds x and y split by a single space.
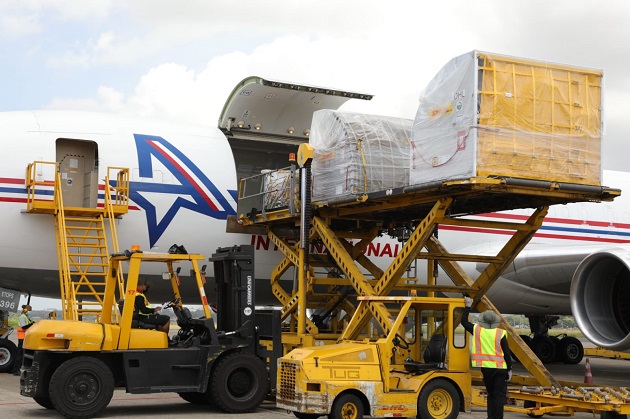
36 181
120 192
65 284
44 178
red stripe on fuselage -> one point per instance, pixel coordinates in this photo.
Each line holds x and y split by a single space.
542 235
556 220
11 180
187 176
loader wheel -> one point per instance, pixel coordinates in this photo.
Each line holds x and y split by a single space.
438 400
239 383
571 350
81 387
8 354
346 406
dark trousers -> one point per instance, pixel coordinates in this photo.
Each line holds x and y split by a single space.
495 380
19 354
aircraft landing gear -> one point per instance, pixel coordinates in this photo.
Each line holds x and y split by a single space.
560 348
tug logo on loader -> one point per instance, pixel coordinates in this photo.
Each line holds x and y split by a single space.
345 373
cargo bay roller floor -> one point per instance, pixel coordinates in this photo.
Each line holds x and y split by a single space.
328 281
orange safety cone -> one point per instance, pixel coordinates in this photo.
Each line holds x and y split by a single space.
588 376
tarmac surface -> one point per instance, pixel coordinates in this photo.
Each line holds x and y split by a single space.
170 405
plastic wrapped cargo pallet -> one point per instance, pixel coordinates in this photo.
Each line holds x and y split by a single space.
276 188
357 153
490 115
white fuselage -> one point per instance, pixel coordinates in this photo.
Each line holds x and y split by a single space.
183 186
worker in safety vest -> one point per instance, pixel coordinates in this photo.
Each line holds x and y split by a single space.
24 323
489 350
147 314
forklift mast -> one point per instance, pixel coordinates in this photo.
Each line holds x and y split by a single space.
234 276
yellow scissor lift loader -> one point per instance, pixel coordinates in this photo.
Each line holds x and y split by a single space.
342 283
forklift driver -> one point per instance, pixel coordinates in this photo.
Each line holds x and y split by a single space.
147 314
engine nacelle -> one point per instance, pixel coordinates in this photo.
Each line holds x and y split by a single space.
600 298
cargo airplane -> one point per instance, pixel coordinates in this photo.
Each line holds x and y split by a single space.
184 186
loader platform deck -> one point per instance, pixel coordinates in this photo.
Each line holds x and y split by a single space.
470 196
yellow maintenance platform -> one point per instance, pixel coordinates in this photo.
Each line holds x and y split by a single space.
86 235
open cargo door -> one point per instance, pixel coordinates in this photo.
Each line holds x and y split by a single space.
266 120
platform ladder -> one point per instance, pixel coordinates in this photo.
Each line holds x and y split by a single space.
85 237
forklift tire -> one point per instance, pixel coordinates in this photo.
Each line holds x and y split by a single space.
8 354
81 387
239 383
44 402
346 406
438 399
571 350
195 398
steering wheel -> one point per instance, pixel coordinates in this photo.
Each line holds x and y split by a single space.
173 302
400 342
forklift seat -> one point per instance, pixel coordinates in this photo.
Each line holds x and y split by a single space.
135 324
434 356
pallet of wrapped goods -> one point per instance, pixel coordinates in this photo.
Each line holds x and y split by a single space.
490 115
355 154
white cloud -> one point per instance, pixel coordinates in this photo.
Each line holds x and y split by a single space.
28 17
104 41
80 10
15 24
390 50
385 65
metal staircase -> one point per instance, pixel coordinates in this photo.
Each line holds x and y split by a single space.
85 237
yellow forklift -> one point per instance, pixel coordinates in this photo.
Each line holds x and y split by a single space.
74 366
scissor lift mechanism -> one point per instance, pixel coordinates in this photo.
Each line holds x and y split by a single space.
420 210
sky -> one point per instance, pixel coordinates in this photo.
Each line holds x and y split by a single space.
179 60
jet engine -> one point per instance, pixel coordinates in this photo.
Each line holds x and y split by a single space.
600 298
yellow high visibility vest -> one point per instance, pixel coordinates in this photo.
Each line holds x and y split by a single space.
485 348
146 303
